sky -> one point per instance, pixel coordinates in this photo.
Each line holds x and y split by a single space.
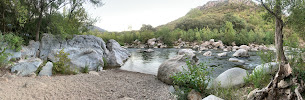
118 15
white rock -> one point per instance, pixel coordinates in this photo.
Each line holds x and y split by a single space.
94 73
208 53
212 97
236 60
27 67
267 68
46 70
189 52
231 77
241 53
245 47
149 50
222 54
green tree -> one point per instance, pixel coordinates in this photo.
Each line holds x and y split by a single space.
229 36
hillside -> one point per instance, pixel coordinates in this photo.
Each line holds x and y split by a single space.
242 13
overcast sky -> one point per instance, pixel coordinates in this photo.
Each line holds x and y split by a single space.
117 15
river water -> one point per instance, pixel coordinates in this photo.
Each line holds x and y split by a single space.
149 62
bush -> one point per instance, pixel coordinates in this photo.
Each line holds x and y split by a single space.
62 66
86 69
14 42
196 77
258 78
3 58
266 56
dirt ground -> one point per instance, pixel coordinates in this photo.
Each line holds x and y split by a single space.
108 85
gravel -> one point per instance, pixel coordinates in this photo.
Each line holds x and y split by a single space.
110 85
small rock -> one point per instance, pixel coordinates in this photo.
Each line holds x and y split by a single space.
171 89
34 84
3 79
236 60
94 73
282 84
208 53
222 54
188 52
126 98
194 95
149 50
212 97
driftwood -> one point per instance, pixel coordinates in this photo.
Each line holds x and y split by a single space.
281 87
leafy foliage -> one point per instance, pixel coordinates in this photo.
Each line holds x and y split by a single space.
258 78
194 76
14 42
62 66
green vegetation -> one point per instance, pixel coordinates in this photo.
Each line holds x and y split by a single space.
30 18
40 67
259 78
62 66
266 56
85 70
3 58
194 77
14 42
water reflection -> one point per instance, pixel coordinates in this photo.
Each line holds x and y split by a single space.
150 62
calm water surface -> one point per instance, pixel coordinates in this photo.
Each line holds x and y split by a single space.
149 62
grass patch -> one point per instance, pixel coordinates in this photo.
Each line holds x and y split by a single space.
258 78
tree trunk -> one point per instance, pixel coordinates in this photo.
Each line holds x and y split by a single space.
3 21
39 20
279 41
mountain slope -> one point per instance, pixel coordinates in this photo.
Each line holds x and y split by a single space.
244 14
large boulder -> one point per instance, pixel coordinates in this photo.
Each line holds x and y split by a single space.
46 70
31 50
13 54
231 77
117 55
81 58
48 43
267 68
189 52
172 66
241 53
26 67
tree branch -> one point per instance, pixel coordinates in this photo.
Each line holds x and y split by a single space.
269 10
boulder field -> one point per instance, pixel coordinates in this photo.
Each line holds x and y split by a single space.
84 51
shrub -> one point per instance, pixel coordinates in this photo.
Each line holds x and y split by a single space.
196 77
62 66
258 78
266 56
3 58
14 42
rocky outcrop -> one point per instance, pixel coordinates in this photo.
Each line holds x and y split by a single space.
32 50
151 42
172 66
229 78
26 67
46 70
84 50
